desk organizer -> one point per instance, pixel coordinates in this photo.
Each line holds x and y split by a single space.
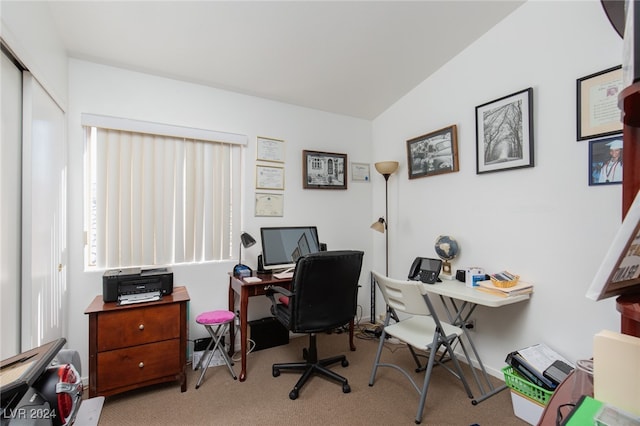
518 383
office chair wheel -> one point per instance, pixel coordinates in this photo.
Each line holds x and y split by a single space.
275 372
345 363
293 394
346 388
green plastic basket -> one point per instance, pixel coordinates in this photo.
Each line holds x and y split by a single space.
518 383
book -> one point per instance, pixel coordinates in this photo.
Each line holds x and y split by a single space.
520 288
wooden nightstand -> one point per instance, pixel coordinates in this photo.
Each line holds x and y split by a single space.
137 345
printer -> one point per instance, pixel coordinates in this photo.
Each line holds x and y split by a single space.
136 285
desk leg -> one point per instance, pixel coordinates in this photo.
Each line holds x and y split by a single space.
244 303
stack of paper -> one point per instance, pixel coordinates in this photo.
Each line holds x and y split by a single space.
520 288
616 370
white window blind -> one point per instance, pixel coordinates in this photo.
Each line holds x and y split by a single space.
158 199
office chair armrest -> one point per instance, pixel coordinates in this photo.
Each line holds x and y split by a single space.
272 289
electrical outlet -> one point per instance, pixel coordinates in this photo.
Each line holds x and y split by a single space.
470 324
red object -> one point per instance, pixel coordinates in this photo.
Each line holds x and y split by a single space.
284 300
629 308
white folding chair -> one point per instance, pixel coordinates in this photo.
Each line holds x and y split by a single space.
422 330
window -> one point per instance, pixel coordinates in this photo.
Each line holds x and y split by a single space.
154 197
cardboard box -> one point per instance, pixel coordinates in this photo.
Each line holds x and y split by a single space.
525 408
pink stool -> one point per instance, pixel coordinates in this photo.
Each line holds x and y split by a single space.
220 319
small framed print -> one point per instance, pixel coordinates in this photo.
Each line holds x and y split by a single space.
269 205
434 153
324 170
605 161
504 133
360 172
598 113
268 149
269 177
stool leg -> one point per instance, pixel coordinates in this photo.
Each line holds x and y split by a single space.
216 339
208 354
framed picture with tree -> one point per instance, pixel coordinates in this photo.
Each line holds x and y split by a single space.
504 133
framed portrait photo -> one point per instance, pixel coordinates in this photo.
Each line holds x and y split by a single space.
434 153
605 161
598 113
324 170
504 133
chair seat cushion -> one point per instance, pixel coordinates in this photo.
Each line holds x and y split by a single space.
215 317
284 300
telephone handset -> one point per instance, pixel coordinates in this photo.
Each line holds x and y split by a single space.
425 270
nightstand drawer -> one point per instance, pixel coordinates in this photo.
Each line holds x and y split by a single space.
136 326
125 367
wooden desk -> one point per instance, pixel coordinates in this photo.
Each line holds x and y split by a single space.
459 302
137 345
238 286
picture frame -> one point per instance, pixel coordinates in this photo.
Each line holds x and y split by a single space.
597 111
360 172
619 272
504 133
605 161
434 153
269 149
269 204
269 177
324 170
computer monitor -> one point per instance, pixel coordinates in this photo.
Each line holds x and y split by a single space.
282 246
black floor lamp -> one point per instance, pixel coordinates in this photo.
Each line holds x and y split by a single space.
386 169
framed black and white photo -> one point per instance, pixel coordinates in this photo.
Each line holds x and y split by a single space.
605 161
598 113
324 170
434 153
504 133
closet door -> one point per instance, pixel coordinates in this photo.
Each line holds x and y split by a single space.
10 183
44 215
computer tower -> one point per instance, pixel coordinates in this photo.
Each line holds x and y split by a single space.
267 333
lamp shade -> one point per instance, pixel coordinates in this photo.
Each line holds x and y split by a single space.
378 225
386 167
247 240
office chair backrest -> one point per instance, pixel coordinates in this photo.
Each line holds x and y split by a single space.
403 296
325 287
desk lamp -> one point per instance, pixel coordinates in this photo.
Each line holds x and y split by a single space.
386 169
241 270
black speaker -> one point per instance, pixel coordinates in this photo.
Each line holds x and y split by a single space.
261 269
323 247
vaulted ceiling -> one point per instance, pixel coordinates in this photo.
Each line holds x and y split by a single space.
347 57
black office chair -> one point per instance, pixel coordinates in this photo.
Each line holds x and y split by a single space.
323 296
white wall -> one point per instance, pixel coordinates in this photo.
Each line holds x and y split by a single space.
544 223
342 217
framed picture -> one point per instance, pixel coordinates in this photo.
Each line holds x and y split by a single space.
269 205
504 133
268 149
324 170
268 177
360 172
619 272
434 153
597 104
605 161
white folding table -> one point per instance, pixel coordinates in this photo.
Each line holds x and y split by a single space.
459 302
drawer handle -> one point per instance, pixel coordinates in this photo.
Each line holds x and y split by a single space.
141 365
141 327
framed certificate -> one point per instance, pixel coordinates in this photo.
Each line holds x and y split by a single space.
268 177
270 150
269 205
598 113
